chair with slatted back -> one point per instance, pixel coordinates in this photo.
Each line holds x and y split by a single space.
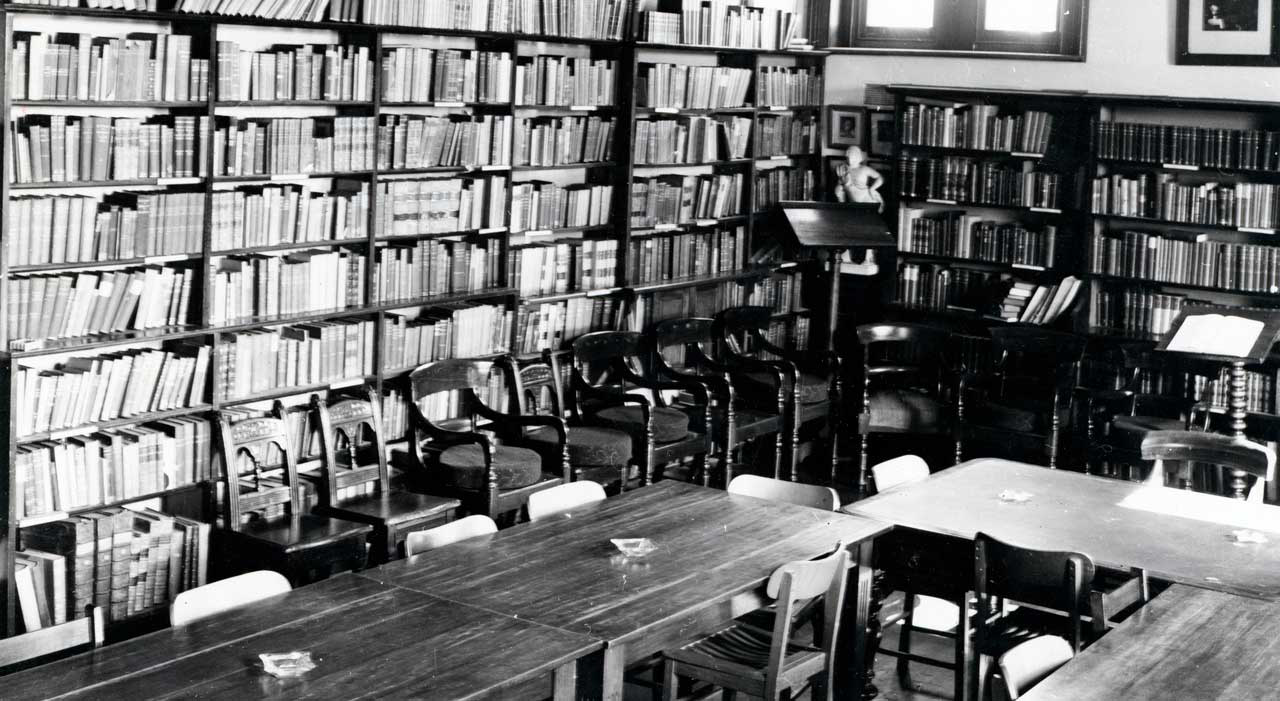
557 500
264 523
811 379
684 349
44 645
810 495
450 457
357 482
226 595
472 526
768 663
608 389
1246 459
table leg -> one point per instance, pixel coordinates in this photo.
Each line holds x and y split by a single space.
564 682
855 648
615 666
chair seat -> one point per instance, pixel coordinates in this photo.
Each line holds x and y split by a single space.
1130 430
302 532
513 467
1021 625
669 425
813 388
589 446
905 410
743 645
393 507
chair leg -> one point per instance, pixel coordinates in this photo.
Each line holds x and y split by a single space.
833 425
964 651
863 482
670 680
904 639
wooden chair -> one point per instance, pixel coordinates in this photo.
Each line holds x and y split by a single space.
906 378
812 380
764 663
811 495
27 650
1243 457
354 459
737 419
556 500
608 389
225 595
449 457
264 523
1029 663
440 536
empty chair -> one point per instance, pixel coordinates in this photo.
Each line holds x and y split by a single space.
810 495
1243 457
440 536
24 650
1027 664
903 469
550 502
202 602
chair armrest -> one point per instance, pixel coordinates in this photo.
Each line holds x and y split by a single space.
695 387
717 386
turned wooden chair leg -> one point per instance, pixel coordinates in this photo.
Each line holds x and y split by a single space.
904 639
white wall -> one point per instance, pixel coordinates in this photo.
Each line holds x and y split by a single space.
1131 49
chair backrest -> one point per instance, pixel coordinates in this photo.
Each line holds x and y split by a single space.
1029 663
729 323
903 469
682 342
549 502
440 536
533 386
347 425
468 377
1057 580
1189 447
811 495
259 440
225 595
801 581
65 638
1037 352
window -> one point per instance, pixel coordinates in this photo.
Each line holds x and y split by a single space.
1051 29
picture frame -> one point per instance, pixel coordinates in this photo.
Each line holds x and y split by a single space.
1228 33
881 132
846 126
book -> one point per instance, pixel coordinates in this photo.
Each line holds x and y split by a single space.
1216 334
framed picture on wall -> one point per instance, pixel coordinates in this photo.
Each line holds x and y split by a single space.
1228 33
881 128
845 126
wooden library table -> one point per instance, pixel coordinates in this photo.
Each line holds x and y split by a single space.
1187 643
715 551
369 641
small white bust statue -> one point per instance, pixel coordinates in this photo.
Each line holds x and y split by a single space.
859 182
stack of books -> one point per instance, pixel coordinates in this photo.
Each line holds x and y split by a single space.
690 140
672 200
958 234
88 303
441 205
413 141
785 135
1251 149
787 183
123 226
565 81
303 10
282 146
975 126
662 257
790 86
472 15
575 19
554 325
254 286
961 179
556 141
272 215
563 267
301 355
543 206
411 271
1029 303
54 148
310 72
415 74
451 331
141 67
678 86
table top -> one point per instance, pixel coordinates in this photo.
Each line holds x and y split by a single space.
564 572
368 640
1173 534
1187 643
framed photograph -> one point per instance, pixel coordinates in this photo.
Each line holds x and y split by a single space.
882 127
1228 33
844 126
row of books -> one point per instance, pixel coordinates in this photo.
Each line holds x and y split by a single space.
416 74
1029 303
83 304
775 185
958 234
436 267
690 140
781 334
938 287
1240 205
122 226
453 331
578 19
57 148
671 200
301 10
541 206
415 141
86 389
253 286
110 466
959 179
555 141
469 15
1188 259
1209 147
272 215
785 134
124 561
553 325
309 72
261 360
727 23
978 127
281 146
441 205
562 267
786 85
1134 312
565 81
1259 391
679 86
140 67
662 257
133 5
781 293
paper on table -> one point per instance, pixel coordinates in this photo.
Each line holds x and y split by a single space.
1217 334
1209 508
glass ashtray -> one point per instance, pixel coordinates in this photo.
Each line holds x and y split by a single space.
634 547
287 664
1015 496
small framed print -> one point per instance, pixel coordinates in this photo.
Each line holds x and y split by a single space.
1228 33
882 129
845 126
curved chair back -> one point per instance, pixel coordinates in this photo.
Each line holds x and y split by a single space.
344 424
1057 580
679 342
549 502
260 440
904 469
801 581
225 595
811 495
1029 663
440 536
1188 447
534 386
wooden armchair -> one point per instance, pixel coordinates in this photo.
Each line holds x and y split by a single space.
264 523
449 457
356 482
681 351
607 388
812 379
1244 458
